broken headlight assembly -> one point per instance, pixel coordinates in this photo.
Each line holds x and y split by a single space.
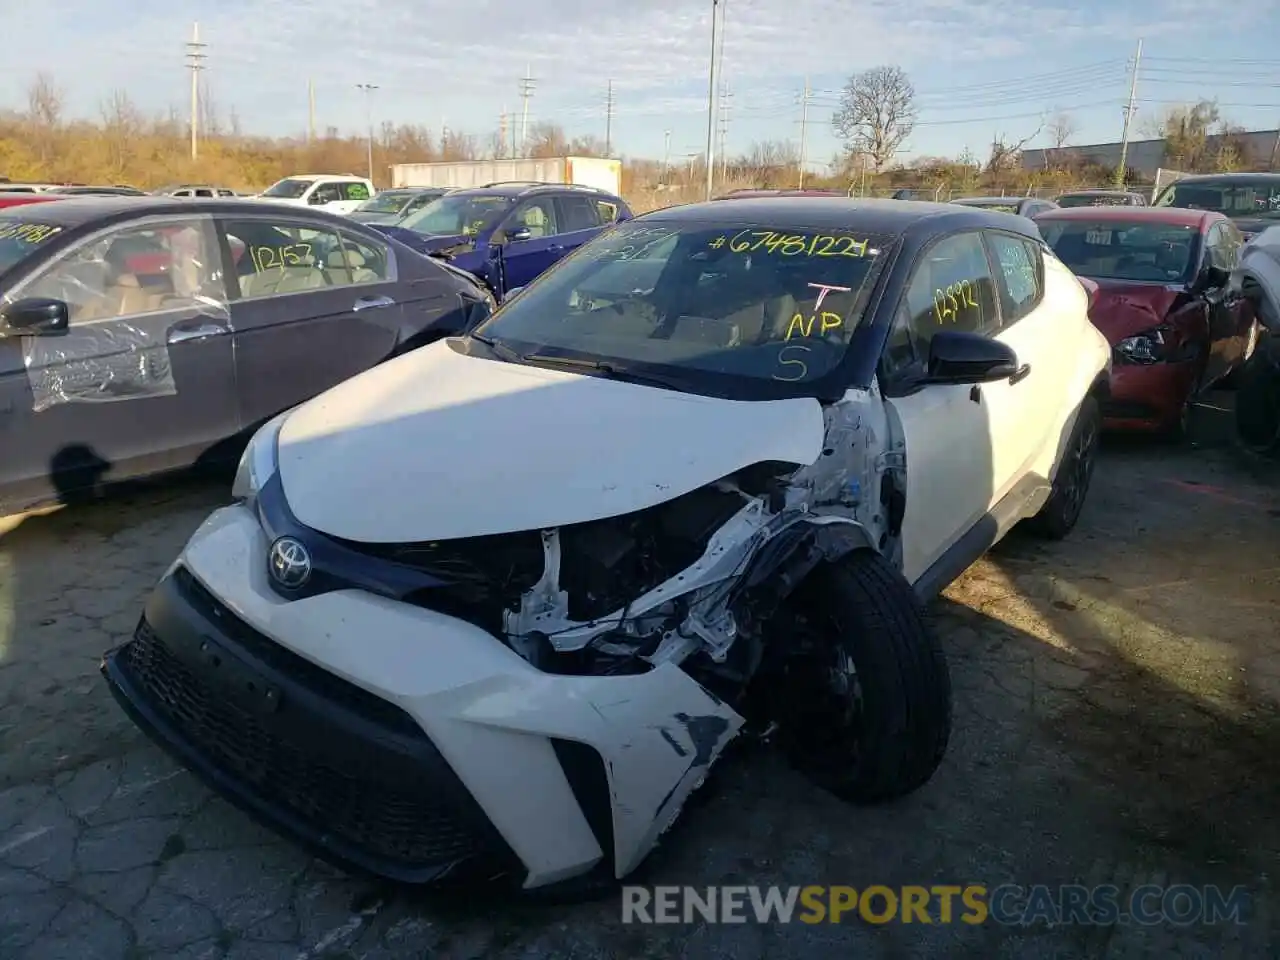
1143 348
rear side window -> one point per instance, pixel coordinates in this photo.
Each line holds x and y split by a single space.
354 191
578 213
1021 282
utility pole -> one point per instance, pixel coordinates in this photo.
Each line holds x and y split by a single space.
711 102
608 122
195 63
804 128
311 112
368 89
666 157
502 133
724 95
724 133
526 91
1129 110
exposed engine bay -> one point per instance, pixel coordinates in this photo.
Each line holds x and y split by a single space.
690 581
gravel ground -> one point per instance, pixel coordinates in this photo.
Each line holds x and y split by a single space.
1118 720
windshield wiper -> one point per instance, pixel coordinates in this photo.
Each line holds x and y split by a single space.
499 348
602 366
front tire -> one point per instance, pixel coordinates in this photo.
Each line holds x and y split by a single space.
1059 515
863 694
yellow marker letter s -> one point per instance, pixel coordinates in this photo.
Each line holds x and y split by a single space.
796 367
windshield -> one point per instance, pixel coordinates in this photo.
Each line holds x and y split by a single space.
19 238
1093 200
458 214
287 189
385 202
1235 197
757 303
1120 250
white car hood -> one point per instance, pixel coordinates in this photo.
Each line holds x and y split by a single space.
435 445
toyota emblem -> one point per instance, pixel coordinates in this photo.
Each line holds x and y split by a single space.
289 563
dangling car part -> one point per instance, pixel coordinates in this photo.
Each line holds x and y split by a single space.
1258 399
496 608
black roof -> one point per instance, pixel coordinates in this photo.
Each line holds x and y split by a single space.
1235 175
1099 192
990 201
77 210
886 218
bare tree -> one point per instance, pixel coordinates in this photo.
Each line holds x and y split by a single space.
877 113
1061 128
1006 154
44 116
122 125
769 162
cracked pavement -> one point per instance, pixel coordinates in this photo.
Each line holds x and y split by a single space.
1117 720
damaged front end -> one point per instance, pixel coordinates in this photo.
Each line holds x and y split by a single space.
567 688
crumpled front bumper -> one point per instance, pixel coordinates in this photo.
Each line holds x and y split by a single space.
401 741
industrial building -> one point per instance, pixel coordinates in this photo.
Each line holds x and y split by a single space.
1261 147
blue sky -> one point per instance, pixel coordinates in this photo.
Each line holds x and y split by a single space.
981 69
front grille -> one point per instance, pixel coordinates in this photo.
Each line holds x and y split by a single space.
356 699
395 820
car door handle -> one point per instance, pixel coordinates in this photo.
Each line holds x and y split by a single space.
372 303
555 247
1021 373
201 332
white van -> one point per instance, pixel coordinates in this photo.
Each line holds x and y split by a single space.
337 192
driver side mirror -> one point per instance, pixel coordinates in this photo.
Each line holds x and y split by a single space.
519 233
961 358
34 317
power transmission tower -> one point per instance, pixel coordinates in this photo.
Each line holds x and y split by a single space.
527 84
804 128
725 96
666 157
195 63
1129 110
502 133
608 121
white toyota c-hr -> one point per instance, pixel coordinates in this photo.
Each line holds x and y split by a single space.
494 608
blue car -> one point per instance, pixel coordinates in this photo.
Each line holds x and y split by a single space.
507 233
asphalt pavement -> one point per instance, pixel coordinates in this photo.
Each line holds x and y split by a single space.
1117 721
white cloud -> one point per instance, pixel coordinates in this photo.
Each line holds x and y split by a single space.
460 60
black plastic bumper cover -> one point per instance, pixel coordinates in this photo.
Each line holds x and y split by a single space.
327 764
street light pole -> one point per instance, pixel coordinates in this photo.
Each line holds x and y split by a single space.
711 101
368 89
